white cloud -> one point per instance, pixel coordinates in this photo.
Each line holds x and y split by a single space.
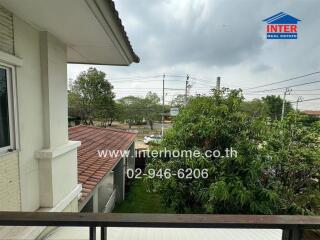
207 38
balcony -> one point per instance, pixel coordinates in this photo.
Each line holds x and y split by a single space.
293 227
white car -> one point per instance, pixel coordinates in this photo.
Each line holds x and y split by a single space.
152 138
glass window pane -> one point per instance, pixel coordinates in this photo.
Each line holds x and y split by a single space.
4 111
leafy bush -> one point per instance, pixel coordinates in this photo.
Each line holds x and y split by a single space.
276 169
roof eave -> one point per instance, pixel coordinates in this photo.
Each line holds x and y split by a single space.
108 17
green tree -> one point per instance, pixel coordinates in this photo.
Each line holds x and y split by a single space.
274 106
136 109
255 108
131 110
178 101
74 102
250 182
294 150
92 94
153 109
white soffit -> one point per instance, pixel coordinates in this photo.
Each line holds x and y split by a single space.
88 27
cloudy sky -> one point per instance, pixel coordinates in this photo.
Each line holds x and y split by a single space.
210 38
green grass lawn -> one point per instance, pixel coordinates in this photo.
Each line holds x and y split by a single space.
138 200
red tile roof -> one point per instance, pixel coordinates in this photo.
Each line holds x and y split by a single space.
92 168
312 112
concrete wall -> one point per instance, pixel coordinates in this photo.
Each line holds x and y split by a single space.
43 171
54 87
105 191
9 183
29 91
57 178
131 161
58 158
111 202
119 180
111 188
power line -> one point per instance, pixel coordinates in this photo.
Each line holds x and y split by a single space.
287 80
292 94
306 90
200 79
307 100
134 77
141 80
147 89
201 83
178 76
296 85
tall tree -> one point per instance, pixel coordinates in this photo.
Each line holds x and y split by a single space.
153 109
131 110
274 106
93 95
136 109
178 101
255 108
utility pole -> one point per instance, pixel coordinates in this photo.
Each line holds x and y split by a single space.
162 122
218 83
300 99
286 92
186 91
297 103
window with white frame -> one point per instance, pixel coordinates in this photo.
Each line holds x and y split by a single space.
6 109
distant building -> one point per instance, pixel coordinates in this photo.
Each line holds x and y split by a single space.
312 113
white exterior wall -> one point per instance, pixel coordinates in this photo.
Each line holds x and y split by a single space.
55 90
58 177
43 171
9 183
30 120
58 159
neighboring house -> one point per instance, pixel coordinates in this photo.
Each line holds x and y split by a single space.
103 157
312 113
38 164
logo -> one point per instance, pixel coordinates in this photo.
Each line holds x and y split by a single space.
282 26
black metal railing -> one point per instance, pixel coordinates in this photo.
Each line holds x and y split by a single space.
292 226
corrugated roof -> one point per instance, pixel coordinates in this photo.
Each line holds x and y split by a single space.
91 167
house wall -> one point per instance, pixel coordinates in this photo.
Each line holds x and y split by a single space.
111 188
9 183
6 31
58 159
131 161
42 172
54 90
29 92
119 180
48 161
9 164
105 191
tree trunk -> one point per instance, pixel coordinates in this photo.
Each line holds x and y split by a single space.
151 124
